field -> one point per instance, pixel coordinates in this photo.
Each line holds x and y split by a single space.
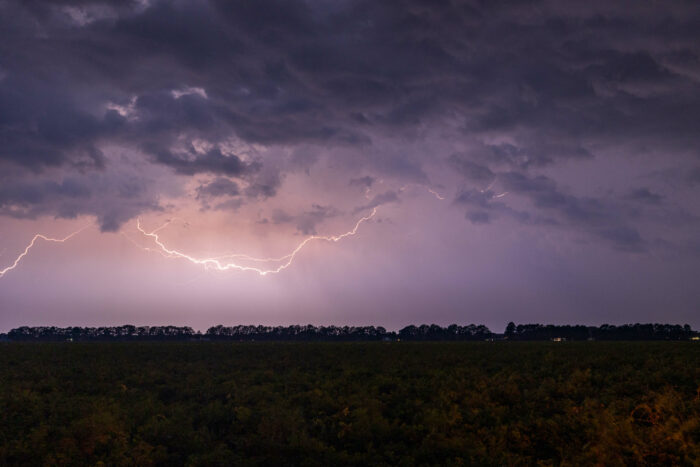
400 403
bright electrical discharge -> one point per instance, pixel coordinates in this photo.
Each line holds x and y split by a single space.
219 265
436 194
217 262
31 244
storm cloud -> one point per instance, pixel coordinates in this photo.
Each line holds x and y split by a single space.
517 88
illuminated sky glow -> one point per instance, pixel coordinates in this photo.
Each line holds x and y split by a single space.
349 162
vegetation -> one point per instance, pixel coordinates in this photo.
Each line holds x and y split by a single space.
423 332
395 403
626 332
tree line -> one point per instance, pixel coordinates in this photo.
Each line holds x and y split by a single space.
126 332
625 332
425 332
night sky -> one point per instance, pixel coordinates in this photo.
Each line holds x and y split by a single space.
527 161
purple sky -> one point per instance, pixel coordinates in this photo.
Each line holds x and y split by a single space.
563 136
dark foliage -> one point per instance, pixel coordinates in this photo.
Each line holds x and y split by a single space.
165 404
126 332
626 332
450 333
424 332
298 333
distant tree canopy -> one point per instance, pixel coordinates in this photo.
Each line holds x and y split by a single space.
126 332
452 332
424 332
626 332
298 333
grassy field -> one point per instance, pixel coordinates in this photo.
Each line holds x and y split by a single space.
358 403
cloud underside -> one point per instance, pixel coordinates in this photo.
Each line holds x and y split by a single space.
521 87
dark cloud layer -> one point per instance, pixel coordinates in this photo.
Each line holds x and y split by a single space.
523 86
598 216
644 195
305 222
210 162
111 200
218 187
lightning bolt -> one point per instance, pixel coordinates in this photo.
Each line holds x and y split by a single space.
436 194
218 264
31 244
488 188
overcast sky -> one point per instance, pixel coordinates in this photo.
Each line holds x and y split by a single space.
531 161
